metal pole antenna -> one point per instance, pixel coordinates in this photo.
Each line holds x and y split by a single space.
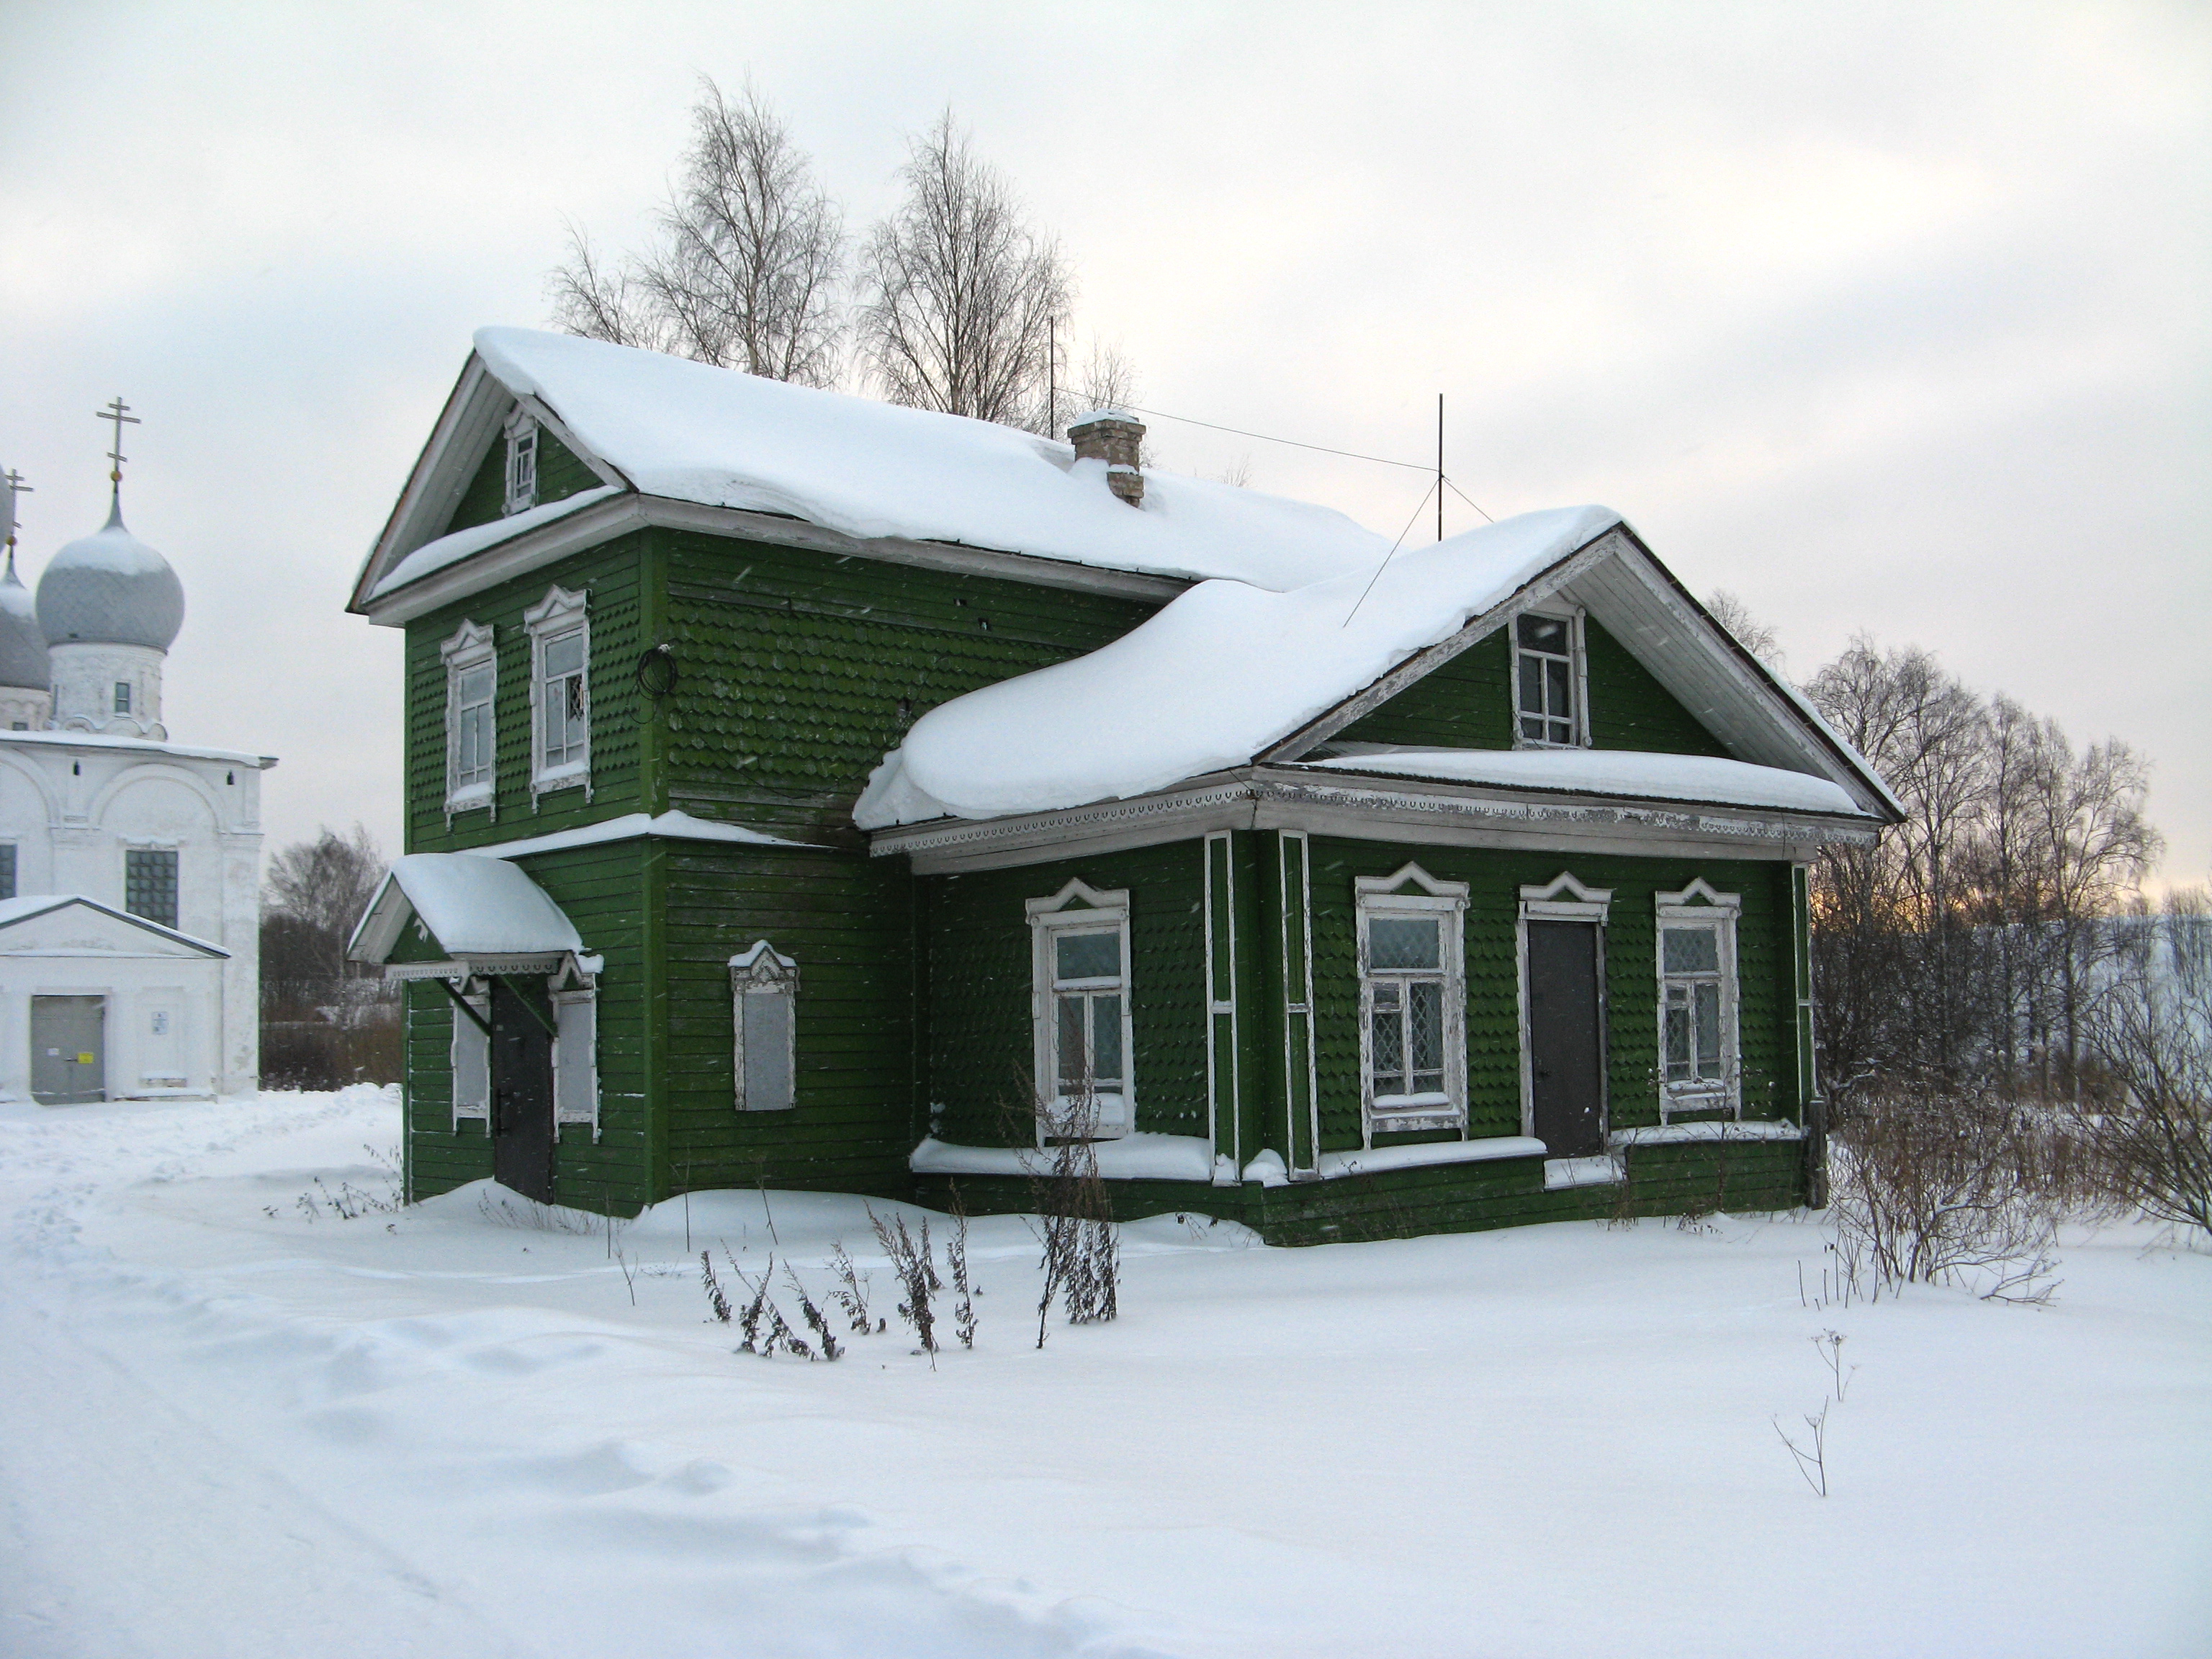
1440 466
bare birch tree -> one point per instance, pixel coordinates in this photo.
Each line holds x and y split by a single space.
959 298
1753 635
746 272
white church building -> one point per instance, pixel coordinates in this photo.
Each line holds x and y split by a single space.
129 866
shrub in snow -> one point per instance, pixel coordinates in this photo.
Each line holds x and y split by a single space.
1936 1187
1082 1253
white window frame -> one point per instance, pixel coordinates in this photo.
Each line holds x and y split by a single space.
522 439
552 619
761 971
469 1055
1093 910
1578 675
471 647
1384 896
575 1051
1699 903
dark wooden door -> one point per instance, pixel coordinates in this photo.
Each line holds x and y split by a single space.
1567 1038
521 1096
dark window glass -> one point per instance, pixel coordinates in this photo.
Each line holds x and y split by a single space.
8 871
123 697
149 885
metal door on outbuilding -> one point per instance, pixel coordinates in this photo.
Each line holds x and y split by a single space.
69 1050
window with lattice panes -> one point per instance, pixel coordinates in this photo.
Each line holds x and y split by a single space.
521 463
1411 997
1697 1000
1080 992
471 736
150 883
1547 680
560 692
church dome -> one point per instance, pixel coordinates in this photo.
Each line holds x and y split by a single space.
24 665
109 588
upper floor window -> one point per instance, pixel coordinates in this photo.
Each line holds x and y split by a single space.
471 746
7 870
123 697
1697 999
560 690
1412 997
521 463
150 883
1079 1000
1548 679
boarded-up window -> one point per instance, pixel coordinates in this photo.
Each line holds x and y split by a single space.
764 997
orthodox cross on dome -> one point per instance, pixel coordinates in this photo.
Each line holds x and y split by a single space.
117 413
15 487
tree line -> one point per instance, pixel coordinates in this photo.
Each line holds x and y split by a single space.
953 301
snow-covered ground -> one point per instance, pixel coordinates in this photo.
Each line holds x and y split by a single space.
226 1431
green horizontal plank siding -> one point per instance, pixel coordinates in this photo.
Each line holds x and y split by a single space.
1494 878
1743 1178
793 665
981 1061
560 475
612 575
847 921
1468 703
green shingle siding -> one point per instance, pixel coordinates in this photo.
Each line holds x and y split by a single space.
1630 709
793 665
612 575
982 1066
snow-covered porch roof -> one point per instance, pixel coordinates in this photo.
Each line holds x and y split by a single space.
484 913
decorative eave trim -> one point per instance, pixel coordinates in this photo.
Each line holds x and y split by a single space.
533 549
1293 797
1426 661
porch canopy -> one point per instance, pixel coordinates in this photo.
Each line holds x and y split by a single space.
454 915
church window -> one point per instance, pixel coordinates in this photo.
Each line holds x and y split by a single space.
7 870
150 883
559 690
123 697
1547 681
521 463
471 738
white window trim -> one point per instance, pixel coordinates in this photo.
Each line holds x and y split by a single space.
472 647
554 617
1375 896
761 970
1700 903
577 1091
470 1046
522 491
1048 918
1578 671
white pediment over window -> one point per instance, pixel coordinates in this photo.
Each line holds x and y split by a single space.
1563 898
1413 875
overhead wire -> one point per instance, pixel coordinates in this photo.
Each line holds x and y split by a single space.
1387 557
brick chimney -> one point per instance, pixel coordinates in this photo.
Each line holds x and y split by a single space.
1114 437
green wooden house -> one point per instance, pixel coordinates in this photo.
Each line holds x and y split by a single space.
806 791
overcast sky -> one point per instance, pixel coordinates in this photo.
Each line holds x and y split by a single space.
1888 318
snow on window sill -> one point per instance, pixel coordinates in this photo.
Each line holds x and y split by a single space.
562 777
1603 1170
1138 1156
1672 1134
469 799
1332 1165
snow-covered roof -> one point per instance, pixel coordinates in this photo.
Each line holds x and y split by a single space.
451 550
24 906
636 826
139 746
1705 779
1212 679
473 905
693 432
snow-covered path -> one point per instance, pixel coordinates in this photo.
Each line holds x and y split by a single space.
228 1432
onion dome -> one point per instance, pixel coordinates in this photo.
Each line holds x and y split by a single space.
109 588
24 665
